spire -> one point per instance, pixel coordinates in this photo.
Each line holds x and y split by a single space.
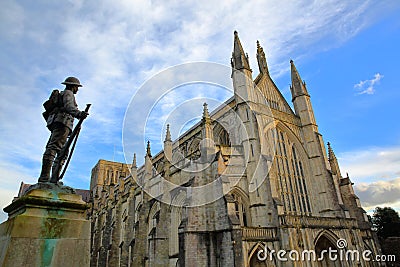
298 87
261 59
148 165
333 161
148 152
168 134
134 168
301 100
239 60
207 144
134 165
206 115
331 154
168 145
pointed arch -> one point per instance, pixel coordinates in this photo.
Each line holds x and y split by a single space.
292 136
368 246
221 134
328 234
178 157
176 219
153 217
159 168
138 206
239 191
254 261
193 147
324 241
271 141
179 199
241 205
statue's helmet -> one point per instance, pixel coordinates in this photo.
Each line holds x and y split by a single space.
72 81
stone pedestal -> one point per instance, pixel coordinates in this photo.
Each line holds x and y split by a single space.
47 226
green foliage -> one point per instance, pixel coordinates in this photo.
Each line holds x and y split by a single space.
386 221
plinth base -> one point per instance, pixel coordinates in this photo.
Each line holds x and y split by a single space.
46 227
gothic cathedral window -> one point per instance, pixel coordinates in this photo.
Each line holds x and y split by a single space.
290 172
240 210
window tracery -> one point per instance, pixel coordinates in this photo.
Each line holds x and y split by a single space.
291 175
241 209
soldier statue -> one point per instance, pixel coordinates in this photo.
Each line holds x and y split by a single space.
60 122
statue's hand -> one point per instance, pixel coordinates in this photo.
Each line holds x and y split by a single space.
83 114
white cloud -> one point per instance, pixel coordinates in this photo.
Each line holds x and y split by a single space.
12 174
377 163
375 173
368 86
380 193
7 196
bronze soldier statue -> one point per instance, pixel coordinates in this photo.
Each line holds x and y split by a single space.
60 122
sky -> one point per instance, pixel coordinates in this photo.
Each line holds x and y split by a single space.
346 51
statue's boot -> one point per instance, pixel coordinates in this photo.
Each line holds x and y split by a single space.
47 162
56 170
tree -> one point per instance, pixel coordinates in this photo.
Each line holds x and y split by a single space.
386 221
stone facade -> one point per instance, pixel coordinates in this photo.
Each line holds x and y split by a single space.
254 175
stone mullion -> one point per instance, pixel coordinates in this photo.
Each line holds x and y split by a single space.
130 222
292 177
299 179
284 181
282 189
305 187
101 222
300 185
115 238
106 239
140 248
297 185
286 167
290 191
116 227
162 242
95 236
124 235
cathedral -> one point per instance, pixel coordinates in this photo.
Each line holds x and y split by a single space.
252 178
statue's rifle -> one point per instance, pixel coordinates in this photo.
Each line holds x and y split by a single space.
64 151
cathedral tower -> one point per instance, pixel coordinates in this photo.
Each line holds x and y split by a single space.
314 146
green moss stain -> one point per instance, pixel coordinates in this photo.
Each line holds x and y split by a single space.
55 195
51 231
52 228
47 252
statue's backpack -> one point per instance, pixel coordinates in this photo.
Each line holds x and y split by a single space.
54 102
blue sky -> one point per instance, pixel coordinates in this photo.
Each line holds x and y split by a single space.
346 51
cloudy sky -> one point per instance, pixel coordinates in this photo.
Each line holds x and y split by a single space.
346 51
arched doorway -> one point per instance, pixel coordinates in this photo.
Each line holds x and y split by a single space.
256 262
321 249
